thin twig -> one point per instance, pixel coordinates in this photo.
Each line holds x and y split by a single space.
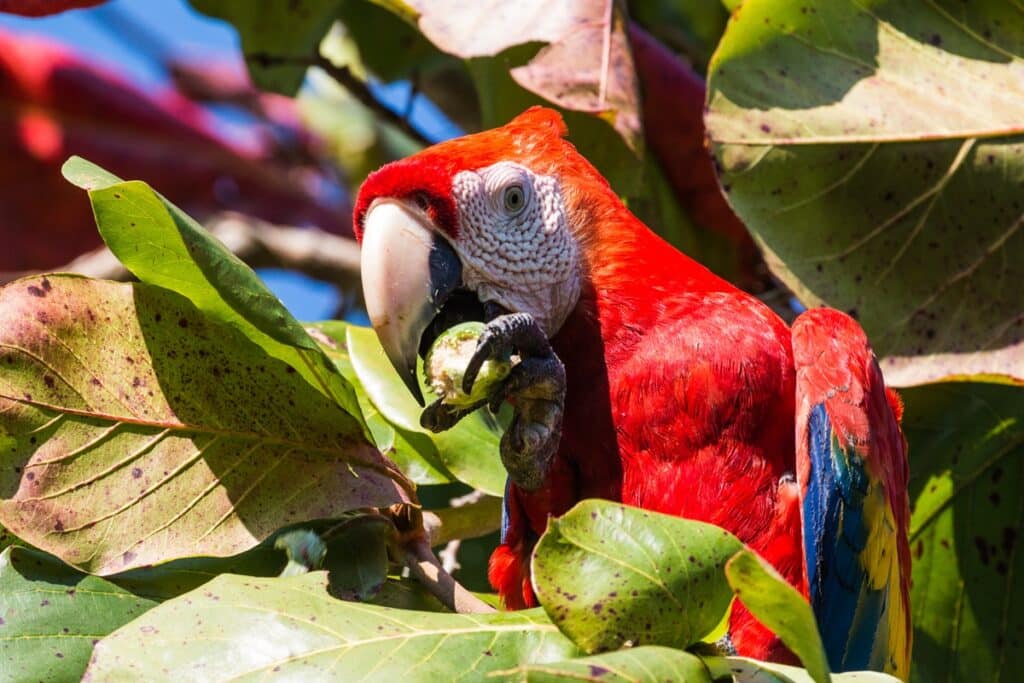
344 76
313 252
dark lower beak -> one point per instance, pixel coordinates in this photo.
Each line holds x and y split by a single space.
409 270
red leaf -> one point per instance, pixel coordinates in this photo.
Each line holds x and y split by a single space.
54 104
39 8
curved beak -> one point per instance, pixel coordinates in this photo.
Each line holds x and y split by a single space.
409 270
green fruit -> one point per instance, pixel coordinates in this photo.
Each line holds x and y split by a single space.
445 366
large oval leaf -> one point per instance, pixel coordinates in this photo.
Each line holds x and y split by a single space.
609 574
161 245
875 150
649 664
237 627
967 474
133 430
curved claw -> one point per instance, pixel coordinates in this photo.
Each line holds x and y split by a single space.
536 388
439 416
501 336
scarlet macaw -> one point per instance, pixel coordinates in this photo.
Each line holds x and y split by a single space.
645 379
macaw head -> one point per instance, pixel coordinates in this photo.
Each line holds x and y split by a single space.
490 223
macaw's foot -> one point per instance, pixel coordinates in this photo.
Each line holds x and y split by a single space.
535 388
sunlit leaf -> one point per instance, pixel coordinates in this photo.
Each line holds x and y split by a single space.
609 574
163 246
469 450
650 664
413 451
876 151
781 608
745 670
134 429
237 626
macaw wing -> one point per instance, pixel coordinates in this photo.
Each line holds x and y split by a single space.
852 474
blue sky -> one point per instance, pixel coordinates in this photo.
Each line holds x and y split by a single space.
136 36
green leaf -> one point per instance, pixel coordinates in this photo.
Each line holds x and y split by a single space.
291 627
51 615
163 246
134 429
875 150
649 664
780 607
692 27
608 574
967 474
413 452
744 670
469 450
277 28
357 557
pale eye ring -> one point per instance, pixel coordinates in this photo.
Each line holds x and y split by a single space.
514 199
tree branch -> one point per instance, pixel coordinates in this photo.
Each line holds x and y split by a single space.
344 76
426 568
313 252
479 517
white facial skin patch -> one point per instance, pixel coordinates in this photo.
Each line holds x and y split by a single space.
515 244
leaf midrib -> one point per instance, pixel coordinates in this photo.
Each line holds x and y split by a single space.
181 428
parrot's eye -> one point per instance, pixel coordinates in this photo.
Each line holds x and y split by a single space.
514 199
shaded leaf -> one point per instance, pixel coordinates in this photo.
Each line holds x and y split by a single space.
469 450
650 664
780 607
163 246
609 574
292 627
51 615
902 135
413 452
587 65
357 557
690 27
134 429
967 473
744 670
280 28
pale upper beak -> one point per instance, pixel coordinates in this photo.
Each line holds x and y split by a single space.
409 270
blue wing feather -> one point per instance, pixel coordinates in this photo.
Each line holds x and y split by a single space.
835 537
